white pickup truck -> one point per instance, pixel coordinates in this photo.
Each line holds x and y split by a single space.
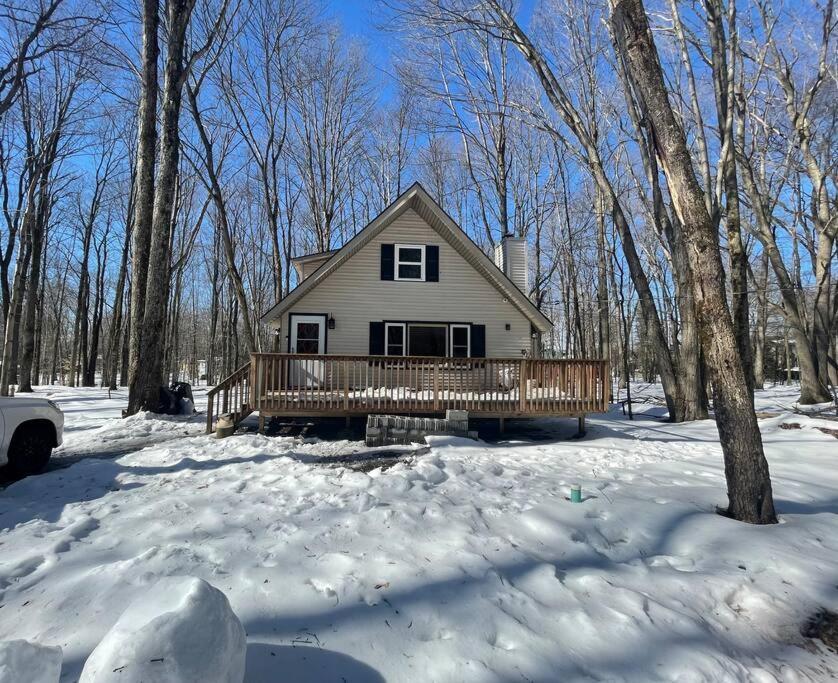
30 428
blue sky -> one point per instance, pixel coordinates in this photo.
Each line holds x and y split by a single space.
361 19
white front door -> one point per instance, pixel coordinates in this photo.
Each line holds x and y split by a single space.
308 336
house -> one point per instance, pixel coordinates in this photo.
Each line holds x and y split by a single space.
412 283
411 316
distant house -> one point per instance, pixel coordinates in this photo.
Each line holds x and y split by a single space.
410 316
412 283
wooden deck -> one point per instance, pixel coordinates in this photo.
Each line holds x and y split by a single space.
281 384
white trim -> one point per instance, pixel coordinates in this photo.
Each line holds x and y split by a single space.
387 327
451 339
397 263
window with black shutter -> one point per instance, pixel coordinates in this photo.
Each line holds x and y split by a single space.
410 262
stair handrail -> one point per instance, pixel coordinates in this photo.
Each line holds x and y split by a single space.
239 377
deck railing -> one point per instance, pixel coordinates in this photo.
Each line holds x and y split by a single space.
232 395
284 384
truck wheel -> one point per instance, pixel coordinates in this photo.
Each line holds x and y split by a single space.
29 451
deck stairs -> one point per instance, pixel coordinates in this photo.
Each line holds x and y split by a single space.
231 396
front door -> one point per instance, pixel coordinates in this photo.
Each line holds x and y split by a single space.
308 336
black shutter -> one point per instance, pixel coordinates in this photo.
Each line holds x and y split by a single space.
387 261
432 263
376 339
478 341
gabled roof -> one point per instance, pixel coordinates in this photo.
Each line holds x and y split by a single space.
417 199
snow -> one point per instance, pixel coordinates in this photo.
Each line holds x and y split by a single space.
181 629
462 562
24 661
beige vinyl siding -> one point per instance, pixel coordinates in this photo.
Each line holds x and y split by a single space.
310 266
354 295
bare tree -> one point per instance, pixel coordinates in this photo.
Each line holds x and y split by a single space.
746 470
143 193
146 371
33 31
255 81
331 103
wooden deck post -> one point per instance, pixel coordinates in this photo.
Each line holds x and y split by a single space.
581 431
523 381
346 392
436 386
210 402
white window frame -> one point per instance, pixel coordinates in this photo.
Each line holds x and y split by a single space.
451 340
397 249
387 327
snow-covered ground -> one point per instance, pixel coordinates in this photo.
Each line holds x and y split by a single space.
462 563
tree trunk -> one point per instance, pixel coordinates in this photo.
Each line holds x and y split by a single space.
89 379
762 321
117 318
144 199
603 314
126 344
39 227
149 373
8 373
746 469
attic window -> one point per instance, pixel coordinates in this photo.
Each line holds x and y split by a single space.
410 262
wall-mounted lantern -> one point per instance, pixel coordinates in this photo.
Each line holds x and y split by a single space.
331 323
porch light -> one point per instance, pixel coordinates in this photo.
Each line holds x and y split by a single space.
331 323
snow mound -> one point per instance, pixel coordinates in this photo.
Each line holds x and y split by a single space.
21 660
182 630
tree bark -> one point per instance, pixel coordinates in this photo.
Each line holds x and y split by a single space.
144 199
724 83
